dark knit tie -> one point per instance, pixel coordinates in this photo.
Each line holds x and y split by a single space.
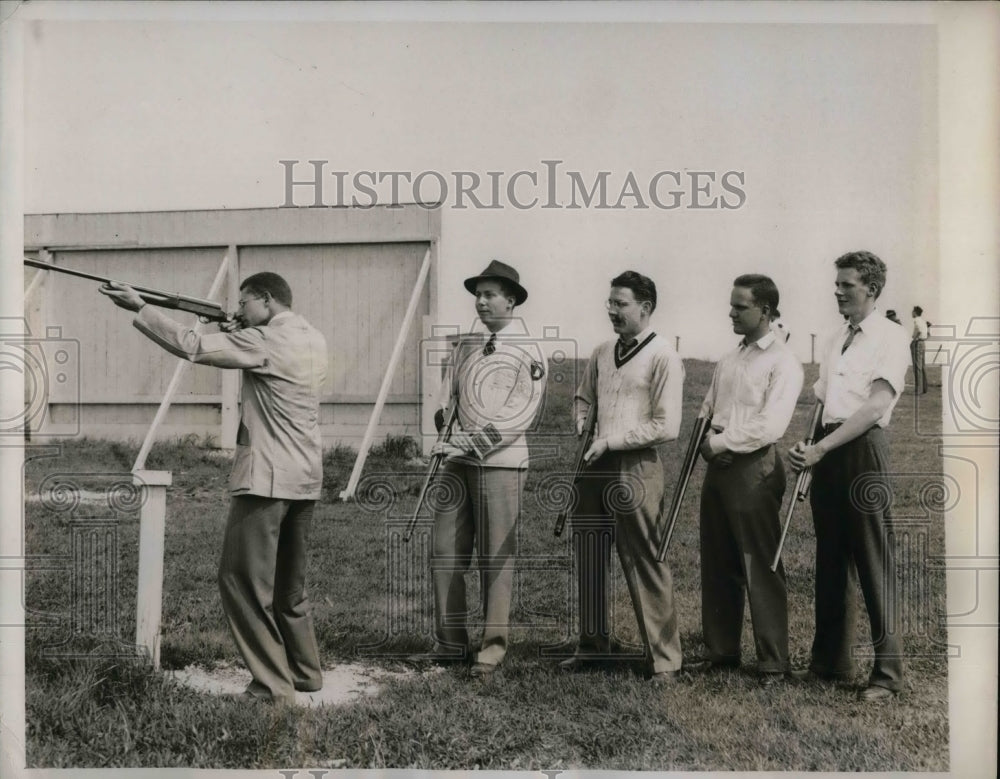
491 345
852 331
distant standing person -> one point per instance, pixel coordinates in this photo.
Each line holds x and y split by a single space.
861 376
751 400
276 477
918 346
636 381
498 381
777 327
891 316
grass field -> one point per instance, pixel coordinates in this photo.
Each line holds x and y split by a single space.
89 706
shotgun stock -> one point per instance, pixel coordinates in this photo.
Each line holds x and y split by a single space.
801 484
701 427
444 434
206 310
586 439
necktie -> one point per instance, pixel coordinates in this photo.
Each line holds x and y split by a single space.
624 347
852 331
491 345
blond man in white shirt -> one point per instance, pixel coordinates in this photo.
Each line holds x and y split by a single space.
751 400
862 374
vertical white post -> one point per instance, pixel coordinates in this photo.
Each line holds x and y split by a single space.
231 379
397 352
152 527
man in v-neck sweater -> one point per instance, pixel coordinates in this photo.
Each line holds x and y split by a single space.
636 381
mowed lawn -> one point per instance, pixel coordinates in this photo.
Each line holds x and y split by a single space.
88 705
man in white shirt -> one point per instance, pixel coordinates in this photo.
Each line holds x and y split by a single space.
862 374
918 346
751 400
499 382
636 381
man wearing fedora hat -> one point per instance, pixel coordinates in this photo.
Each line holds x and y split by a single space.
498 382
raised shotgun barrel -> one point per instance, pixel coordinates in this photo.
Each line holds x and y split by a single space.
206 310
586 440
801 483
444 434
701 427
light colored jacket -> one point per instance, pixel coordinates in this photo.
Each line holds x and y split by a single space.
278 447
503 389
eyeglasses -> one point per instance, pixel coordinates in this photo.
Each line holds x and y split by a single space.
617 305
242 303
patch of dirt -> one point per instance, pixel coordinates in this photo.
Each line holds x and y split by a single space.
344 683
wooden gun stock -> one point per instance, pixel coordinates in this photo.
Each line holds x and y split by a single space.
206 310
444 434
801 483
586 440
701 427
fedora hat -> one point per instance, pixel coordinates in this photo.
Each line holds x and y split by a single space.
500 270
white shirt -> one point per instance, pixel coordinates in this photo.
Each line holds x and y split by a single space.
919 328
753 394
880 350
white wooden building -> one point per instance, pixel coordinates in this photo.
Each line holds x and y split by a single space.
351 271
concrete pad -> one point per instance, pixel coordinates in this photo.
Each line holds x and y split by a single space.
343 683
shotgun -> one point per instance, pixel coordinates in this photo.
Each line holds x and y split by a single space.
701 427
206 310
444 434
801 484
586 440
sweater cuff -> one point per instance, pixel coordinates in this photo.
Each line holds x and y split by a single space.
616 443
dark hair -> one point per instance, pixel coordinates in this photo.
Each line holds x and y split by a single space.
890 313
919 310
642 287
869 267
272 284
764 291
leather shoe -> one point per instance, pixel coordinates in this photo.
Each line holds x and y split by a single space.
771 678
663 678
482 671
875 693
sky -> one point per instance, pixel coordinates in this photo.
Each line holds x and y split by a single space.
825 135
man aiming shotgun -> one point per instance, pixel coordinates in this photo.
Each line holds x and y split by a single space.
276 477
